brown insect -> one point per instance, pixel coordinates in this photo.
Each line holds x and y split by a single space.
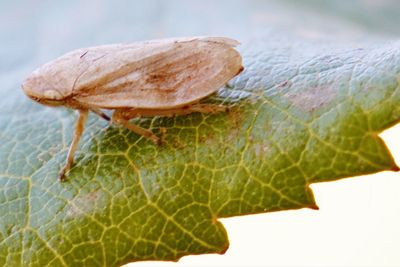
152 78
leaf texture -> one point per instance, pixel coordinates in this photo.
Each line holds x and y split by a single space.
302 112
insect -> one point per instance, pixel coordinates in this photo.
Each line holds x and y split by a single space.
152 78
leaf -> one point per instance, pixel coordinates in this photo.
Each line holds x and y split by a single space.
301 112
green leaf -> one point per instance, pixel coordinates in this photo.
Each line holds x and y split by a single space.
301 112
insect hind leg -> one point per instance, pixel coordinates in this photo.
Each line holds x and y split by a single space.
203 108
100 113
184 110
119 119
122 116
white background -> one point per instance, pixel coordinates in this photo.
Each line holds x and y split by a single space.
358 224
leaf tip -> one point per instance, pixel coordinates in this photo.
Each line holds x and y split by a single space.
313 206
395 168
225 247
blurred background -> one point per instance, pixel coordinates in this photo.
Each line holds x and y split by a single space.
358 219
43 29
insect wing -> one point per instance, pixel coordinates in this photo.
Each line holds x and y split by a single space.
156 74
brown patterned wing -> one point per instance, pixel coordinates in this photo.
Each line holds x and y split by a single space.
156 74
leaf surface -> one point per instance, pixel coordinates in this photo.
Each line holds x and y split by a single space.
300 113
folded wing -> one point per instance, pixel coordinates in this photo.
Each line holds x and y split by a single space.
155 74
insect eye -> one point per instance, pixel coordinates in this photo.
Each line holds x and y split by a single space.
52 94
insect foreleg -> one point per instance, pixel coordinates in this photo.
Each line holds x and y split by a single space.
79 127
117 118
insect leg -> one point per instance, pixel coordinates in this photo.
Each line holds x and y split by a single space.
117 118
202 108
206 108
79 127
100 113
